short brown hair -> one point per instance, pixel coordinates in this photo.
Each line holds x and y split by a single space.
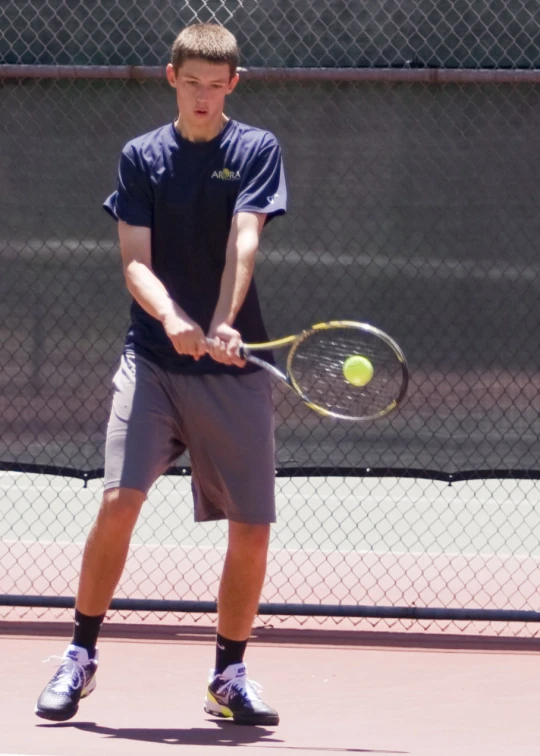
210 42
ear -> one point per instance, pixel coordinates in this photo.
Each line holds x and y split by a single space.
171 75
233 82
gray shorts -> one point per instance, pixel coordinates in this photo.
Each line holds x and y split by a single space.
226 422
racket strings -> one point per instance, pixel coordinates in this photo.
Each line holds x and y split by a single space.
317 369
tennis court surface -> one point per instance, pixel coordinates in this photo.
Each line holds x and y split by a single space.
337 692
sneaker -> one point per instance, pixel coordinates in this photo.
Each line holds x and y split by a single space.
230 694
74 679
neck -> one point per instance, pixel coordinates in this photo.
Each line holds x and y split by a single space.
195 133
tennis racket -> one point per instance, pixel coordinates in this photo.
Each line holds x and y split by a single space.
341 369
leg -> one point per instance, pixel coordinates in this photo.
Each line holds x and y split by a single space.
231 442
242 579
142 440
230 692
103 561
106 549
230 430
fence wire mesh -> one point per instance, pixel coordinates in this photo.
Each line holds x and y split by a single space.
446 33
413 206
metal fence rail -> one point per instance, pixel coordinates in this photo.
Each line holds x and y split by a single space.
414 202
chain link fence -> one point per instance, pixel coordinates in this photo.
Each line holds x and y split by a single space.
282 33
412 205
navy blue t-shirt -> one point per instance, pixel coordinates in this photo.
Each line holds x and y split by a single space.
187 194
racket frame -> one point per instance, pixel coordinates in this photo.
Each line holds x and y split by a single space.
296 341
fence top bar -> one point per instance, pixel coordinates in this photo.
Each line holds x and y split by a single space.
320 471
426 75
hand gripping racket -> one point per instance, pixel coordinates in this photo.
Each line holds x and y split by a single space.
342 369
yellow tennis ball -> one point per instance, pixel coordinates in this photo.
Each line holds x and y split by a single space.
358 370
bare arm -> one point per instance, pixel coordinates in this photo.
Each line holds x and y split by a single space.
242 247
144 286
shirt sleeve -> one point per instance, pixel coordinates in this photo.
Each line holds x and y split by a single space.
263 188
132 201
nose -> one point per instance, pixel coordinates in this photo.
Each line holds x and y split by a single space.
202 94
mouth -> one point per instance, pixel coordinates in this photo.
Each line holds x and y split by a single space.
201 112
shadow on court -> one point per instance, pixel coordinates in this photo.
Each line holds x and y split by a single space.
225 734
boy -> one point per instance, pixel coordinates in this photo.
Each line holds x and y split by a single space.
192 200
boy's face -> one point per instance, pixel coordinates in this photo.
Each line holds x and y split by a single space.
201 88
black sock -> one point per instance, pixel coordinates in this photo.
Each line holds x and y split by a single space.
86 631
228 652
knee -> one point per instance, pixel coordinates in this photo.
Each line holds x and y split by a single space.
247 539
120 508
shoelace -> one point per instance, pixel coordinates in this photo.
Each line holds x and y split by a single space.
69 672
247 688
